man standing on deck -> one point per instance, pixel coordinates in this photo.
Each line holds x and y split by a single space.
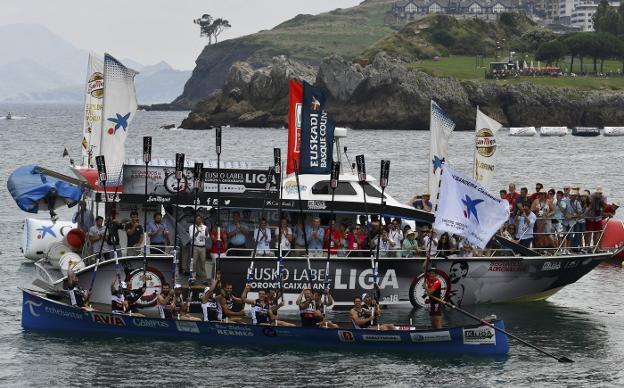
158 234
315 235
433 287
200 242
134 230
96 234
262 238
525 224
237 236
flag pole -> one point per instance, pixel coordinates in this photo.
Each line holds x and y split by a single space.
435 210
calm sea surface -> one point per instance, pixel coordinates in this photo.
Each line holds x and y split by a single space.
585 321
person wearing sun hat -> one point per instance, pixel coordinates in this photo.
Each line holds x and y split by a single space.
595 212
410 244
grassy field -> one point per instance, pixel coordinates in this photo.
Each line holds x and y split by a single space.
464 68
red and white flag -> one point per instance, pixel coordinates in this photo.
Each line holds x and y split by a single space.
294 125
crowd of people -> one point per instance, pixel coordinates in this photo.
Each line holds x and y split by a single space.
569 219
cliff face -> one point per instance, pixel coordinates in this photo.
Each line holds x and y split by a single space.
389 94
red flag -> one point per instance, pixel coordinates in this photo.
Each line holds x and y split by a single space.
294 124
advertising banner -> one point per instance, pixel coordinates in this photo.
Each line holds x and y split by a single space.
317 132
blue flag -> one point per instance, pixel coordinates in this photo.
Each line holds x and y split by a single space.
317 132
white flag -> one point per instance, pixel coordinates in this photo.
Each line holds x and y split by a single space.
485 151
92 124
440 128
467 209
120 105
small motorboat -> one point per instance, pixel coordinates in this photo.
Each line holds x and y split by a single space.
522 131
41 313
553 131
586 131
8 116
613 131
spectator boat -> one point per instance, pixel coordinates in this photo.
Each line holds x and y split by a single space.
44 314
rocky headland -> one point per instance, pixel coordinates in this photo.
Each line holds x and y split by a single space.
386 92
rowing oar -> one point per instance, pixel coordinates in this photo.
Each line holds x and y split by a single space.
147 158
486 323
302 219
383 182
277 156
256 236
333 183
198 177
179 172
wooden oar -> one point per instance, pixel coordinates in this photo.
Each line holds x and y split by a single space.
256 236
486 323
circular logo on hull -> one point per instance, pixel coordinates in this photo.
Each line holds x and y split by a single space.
486 142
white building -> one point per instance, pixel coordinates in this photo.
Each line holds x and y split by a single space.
581 16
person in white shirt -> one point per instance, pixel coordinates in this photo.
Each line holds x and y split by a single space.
285 240
262 239
396 238
200 243
525 223
429 236
96 234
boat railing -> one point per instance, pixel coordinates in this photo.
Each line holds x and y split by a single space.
108 254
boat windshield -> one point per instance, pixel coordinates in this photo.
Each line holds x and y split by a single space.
344 188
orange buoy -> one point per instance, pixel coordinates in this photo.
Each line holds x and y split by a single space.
75 238
613 236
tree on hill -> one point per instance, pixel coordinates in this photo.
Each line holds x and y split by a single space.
551 52
211 28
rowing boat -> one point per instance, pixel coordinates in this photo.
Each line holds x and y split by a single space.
41 313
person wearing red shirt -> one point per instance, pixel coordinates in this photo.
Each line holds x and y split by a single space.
356 239
218 245
512 196
433 287
336 237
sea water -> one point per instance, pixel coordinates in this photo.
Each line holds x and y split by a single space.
584 321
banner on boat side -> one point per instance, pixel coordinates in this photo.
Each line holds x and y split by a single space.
485 148
92 124
119 108
162 182
467 209
440 128
295 103
317 132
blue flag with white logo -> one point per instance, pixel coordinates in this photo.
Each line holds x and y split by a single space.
467 209
317 132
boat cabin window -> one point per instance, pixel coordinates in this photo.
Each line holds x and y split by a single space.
371 191
344 188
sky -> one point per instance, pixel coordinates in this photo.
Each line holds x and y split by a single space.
149 31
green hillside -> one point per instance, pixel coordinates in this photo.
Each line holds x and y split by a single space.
346 32
445 35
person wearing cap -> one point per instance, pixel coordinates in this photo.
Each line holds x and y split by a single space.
595 212
571 223
372 304
119 305
433 287
423 203
180 307
410 244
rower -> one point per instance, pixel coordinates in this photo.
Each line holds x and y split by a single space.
227 300
180 307
165 302
319 308
210 306
305 301
433 287
273 298
119 305
78 297
369 302
363 318
132 297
